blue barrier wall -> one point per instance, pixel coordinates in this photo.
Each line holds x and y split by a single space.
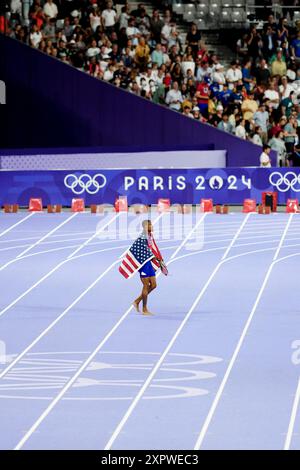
223 185
50 104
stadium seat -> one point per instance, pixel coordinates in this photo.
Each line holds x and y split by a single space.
239 3
238 15
296 15
189 16
226 16
215 6
204 2
204 5
201 14
189 7
214 16
178 8
201 24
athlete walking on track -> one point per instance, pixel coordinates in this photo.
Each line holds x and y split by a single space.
144 257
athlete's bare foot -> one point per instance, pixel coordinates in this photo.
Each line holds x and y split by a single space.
146 312
136 305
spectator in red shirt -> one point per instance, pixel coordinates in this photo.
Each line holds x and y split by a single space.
3 24
202 94
278 127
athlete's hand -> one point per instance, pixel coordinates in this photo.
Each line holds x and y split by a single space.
163 268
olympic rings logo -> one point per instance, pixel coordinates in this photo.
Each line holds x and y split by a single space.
85 182
285 182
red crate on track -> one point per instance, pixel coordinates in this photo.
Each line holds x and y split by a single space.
163 205
77 205
292 206
249 205
35 205
121 204
206 205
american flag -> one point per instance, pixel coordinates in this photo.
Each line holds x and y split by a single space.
137 255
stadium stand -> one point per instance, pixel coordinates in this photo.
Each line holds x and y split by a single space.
167 52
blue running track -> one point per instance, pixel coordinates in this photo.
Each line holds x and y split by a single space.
216 367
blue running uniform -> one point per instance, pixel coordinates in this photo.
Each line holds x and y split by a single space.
147 270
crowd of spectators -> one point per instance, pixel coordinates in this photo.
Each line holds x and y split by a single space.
255 98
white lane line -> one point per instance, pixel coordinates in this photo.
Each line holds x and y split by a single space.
113 241
28 239
188 236
89 240
227 234
236 236
49 273
87 362
207 236
290 431
162 241
282 238
18 257
16 224
69 234
219 393
67 240
155 369
46 330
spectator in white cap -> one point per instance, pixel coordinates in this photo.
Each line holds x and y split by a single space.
233 75
75 14
272 95
218 75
